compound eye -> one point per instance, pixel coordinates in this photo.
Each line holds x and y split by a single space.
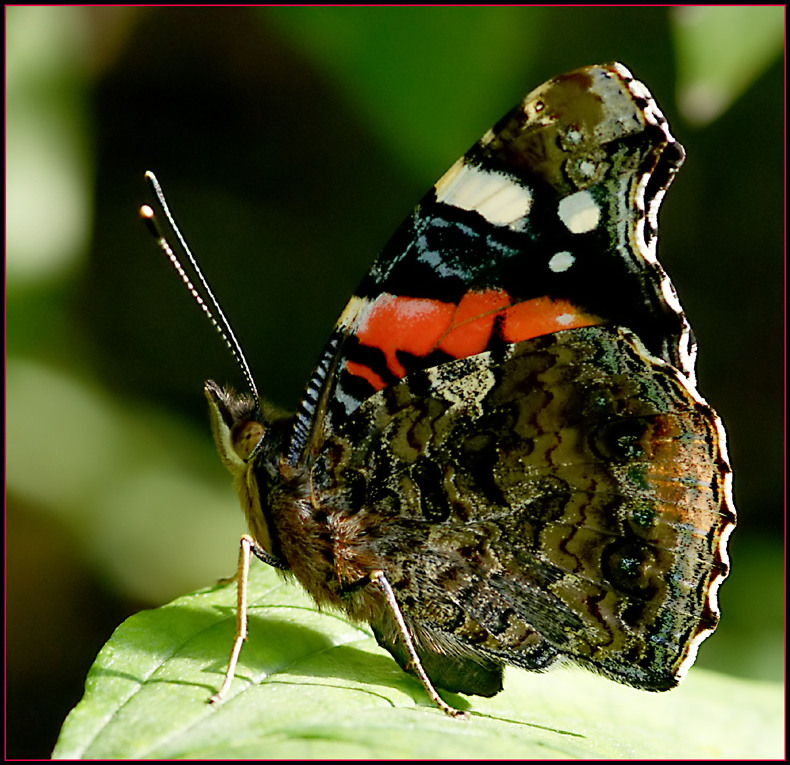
246 436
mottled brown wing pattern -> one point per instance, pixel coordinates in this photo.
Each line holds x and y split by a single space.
561 498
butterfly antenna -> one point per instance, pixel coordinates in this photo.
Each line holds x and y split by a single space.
210 306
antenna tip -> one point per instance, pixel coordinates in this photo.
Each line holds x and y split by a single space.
149 218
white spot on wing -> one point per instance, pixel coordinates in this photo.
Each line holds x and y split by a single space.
579 212
561 261
587 168
496 196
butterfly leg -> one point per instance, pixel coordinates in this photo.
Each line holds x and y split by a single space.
378 577
247 547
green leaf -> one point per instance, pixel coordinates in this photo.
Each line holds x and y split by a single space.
455 67
310 684
721 52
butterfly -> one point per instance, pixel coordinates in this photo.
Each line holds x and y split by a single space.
501 456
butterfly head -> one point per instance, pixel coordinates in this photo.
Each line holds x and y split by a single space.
237 426
241 431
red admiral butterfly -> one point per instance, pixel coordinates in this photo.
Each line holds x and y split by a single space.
502 457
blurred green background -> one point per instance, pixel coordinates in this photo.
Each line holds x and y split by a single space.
291 143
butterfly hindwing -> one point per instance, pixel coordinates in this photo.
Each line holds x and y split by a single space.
555 499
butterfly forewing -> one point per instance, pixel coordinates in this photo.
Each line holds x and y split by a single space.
547 223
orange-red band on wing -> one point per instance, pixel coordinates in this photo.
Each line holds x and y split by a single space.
471 326
414 325
366 373
421 325
543 316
